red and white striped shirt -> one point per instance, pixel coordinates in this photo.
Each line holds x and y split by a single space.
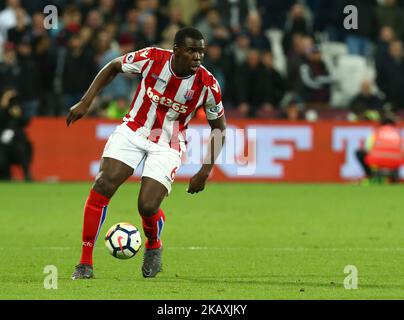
164 103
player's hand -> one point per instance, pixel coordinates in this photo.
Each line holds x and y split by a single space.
77 112
197 183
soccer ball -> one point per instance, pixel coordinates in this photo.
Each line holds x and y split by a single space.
123 240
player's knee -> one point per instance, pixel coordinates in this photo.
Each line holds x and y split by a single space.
148 207
105 186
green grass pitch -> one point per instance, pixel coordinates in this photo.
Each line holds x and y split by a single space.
232 241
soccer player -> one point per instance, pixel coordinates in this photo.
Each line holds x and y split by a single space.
174 85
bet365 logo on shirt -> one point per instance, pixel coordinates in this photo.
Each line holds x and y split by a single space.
166 101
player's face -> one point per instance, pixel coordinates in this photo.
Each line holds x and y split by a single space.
190 55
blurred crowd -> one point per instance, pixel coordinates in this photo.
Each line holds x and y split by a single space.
273 58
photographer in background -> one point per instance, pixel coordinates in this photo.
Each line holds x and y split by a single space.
383 153
15 147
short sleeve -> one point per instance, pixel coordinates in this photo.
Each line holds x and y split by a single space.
214 106
135 62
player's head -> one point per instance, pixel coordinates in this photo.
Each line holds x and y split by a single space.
189 50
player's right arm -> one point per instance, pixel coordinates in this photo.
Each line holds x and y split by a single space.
133 62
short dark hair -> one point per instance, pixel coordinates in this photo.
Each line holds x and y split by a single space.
187 32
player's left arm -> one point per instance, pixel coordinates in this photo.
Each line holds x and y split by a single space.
215 115
215 145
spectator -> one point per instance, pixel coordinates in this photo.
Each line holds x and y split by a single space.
258 39
9 68
38 26
390 14
143 8
107 9
126 44
21 28
199 15
112 28
235 56
71 25
94 20
102 44
147 8
149 35
8 18
330 18
87 36
296 57
31 7
163 16
297 23
168 37
359 40
121 86
78 72
250 80
189 9
46 64
366 105
386 36
292 111
210 24
240 49
390 75
274 85
233 13
273 13
86 6
15 147
29 79
175 18
315 80
131 24
216 64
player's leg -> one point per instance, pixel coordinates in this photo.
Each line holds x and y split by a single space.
122 154
361 155
151 196
111 175
158 175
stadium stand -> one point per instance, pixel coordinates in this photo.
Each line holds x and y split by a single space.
98 30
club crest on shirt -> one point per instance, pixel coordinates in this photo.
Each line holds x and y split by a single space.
189 94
